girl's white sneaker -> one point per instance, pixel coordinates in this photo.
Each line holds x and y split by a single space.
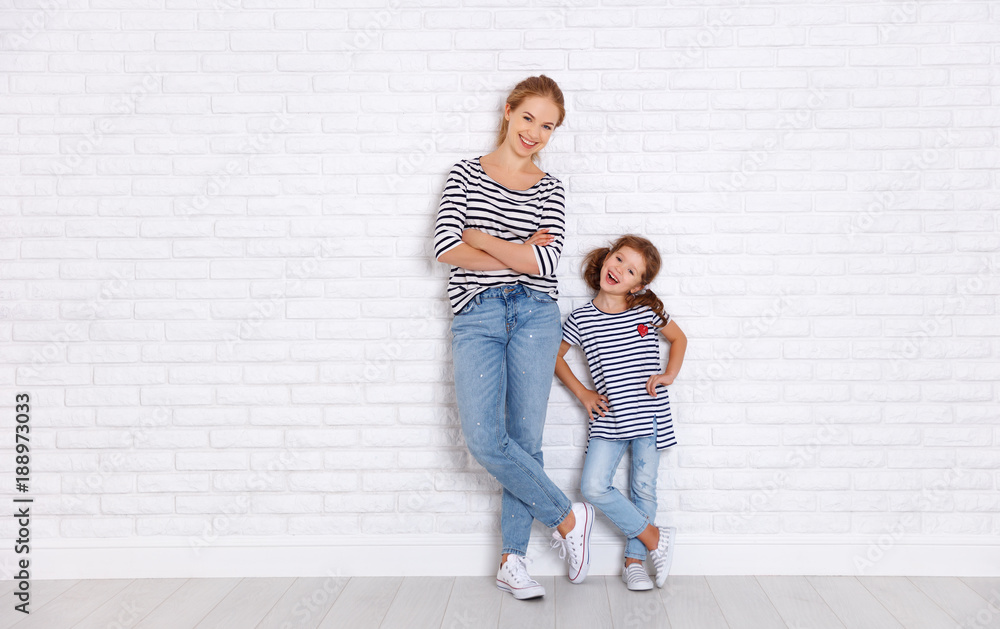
663 554
635 578
513 577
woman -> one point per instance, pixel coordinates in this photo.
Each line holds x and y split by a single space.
500 226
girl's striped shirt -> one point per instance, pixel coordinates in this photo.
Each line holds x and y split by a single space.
472 200
623 351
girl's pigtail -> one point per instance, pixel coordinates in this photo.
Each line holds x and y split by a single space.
648 298
592 267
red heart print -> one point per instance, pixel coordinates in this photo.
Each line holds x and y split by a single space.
643 330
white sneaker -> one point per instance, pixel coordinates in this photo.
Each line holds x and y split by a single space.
575 547
663 554
513 577
635 577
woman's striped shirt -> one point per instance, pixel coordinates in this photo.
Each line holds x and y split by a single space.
623 351
472 200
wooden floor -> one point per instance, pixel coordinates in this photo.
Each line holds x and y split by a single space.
687 602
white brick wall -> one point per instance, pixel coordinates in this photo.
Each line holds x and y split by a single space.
218 285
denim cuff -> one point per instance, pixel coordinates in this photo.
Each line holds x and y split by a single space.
564 515
641 529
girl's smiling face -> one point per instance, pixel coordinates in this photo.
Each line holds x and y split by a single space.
622 272
531 124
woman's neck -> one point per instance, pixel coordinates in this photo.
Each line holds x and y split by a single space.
509 162
612 304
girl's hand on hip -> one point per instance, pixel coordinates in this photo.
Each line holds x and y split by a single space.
654 381
541 237
595 403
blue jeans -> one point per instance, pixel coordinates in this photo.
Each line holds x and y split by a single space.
504 346
632 517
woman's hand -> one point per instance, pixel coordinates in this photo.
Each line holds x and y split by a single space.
665 379
542 237
594 402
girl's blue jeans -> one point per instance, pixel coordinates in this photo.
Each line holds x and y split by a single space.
632 517
504 346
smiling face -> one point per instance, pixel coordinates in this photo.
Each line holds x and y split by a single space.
531 124
622 272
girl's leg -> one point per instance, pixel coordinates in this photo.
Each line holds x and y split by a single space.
535 335
480 338
645 464
603 457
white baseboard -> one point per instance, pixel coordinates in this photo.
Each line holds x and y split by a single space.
476 555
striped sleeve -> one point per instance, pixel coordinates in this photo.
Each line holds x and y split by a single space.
571 331
451 213
553 219
657 319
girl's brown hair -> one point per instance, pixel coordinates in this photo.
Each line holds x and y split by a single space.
651 257
541 86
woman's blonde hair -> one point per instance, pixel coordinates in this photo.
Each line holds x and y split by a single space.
541 86
651 257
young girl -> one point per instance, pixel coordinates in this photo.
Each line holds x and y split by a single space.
500 228
617 332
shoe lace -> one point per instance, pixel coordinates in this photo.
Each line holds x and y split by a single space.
519 568
565 545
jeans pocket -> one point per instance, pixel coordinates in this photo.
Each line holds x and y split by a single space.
539 296
470 306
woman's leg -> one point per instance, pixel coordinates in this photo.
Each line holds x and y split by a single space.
480 345
603 457
645 464
531 362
